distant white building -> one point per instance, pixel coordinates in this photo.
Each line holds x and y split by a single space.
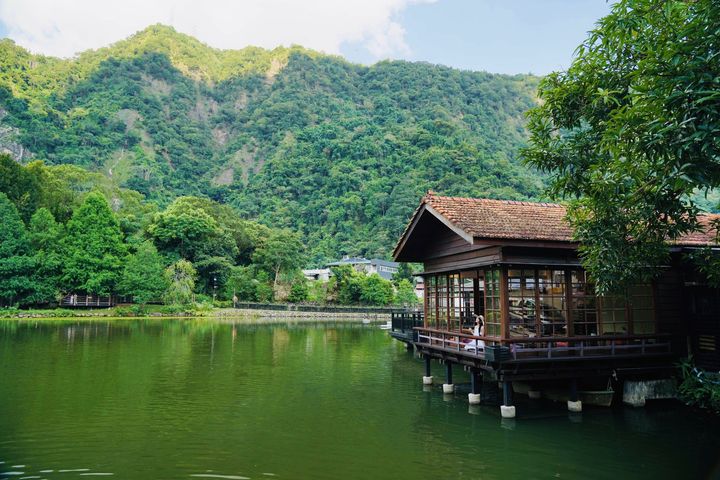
322 274
383 268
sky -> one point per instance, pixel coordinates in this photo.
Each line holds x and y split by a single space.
499 36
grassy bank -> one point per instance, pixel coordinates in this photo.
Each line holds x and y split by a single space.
115 312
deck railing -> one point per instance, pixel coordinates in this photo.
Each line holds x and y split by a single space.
547 348
405 320
74 300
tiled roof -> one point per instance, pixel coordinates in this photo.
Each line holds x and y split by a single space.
506 219
702 238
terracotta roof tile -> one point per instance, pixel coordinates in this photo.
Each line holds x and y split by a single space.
506 219
520 220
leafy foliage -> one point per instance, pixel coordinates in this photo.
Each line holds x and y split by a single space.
631 130
45 236
699 388
94 250
180 277
143 276
337 152
16 264
406 293
375 290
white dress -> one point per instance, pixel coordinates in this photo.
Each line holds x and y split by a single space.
476 344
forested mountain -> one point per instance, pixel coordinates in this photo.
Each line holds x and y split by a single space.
290 137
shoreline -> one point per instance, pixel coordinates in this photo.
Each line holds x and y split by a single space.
216 313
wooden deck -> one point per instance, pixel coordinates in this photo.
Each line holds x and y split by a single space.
556 357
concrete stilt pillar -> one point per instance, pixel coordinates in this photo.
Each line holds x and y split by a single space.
448 386
574 404
507 409
475 387
427 378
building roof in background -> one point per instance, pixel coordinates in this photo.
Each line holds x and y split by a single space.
363 260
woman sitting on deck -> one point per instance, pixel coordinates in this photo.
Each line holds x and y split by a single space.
478 330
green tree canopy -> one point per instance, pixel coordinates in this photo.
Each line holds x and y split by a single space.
180 277
183 229
376 290
242 284
143 277
281 251
631 130
16 263
406 293
20 186
46 236
93 248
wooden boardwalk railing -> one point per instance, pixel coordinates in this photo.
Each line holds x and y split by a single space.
526 350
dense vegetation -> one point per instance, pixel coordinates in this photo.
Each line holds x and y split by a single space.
64 231
631 131
338 152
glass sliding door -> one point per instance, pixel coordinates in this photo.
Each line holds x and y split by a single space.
552 299
522 306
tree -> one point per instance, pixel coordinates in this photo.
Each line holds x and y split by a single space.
348 284
183 229
241 284
180 277
46 236
376 290
405 272
20 186
213 274
281 251
406 293
16 263
299 291
630 131
143 276
93 248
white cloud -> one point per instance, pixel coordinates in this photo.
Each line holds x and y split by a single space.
65 27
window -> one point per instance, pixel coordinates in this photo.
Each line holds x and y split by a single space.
442 302
430 301
583 309
642 309
613 315
492 302
522 308
467 299
551 296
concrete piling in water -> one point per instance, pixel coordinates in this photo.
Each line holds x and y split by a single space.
507 409
448 387
574 404
427 378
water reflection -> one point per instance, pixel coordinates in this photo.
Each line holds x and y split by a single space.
153 398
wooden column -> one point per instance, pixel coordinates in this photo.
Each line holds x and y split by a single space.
568 303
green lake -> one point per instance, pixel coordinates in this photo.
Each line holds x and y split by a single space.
183 399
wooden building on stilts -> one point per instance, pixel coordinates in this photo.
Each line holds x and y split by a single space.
516 264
